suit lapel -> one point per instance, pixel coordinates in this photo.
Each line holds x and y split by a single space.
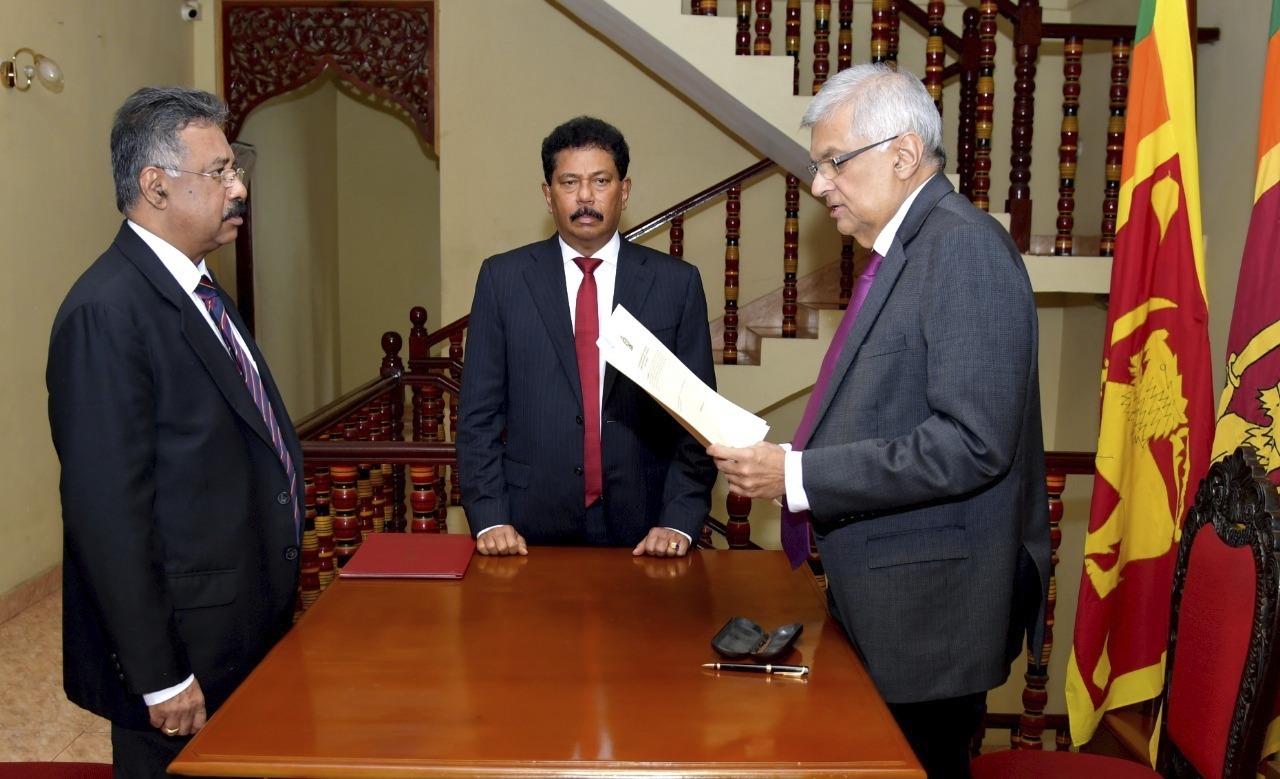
206 344
545 277
891 268
631 286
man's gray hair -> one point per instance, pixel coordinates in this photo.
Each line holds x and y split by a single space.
146 132
886 102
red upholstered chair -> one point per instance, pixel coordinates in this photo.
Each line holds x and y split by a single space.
1221 674
55 771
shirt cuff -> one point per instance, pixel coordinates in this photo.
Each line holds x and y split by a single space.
152 698
486 530
793 478
687 537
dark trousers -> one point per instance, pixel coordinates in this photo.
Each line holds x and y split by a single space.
142 754
940 731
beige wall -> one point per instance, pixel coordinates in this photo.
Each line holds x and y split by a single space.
57 213
505 79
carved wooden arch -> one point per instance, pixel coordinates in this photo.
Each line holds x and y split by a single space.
271 47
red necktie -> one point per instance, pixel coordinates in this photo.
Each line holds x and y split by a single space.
585 332
795 525
212 301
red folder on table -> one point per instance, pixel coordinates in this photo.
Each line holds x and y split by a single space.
411 556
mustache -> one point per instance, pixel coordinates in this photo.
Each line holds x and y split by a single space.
237 208
585 211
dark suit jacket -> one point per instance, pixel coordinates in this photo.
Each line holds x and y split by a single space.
925 469
180 548
521 377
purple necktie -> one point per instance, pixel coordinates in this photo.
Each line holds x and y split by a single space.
795 525
209 294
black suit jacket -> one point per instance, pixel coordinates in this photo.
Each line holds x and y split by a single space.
521 382
180 547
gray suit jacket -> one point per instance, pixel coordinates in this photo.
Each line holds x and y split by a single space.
520 413
925 469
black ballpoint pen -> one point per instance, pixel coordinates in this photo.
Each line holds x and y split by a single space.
767 668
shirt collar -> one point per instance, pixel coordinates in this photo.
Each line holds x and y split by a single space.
884 241
607 253
186 272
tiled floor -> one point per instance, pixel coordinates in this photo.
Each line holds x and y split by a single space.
37 722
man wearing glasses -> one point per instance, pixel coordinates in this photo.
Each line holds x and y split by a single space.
919 461
181 472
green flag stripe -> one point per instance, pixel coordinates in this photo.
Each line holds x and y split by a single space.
1275 18
1147 15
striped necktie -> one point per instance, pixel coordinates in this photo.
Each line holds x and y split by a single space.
212 301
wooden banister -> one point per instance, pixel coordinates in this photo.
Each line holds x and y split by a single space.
690 203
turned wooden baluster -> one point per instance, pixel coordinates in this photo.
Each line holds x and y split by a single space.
844 40
362 430
1026 43
732 207
935 53
1035 694
891 38
677 236
430 412
844 58
880 30
309 559
966 135
790 256
792 42
703 7
737 530
379 430
423 499
393 366
443 489
742 44
763 46
986 104
1069 146
1121 48
324 524
821 43
346 524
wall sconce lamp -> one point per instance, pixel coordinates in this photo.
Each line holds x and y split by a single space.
41 67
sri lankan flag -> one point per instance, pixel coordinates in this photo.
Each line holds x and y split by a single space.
1157 396
1250 402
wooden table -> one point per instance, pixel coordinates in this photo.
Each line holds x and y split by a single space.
568 662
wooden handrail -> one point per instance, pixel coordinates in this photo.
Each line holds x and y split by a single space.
684 206
326 416
396 452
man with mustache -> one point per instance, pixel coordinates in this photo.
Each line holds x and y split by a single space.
181 472
554 446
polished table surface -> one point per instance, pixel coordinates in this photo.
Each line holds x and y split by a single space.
568 662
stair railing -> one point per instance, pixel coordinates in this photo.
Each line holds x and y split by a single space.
973 53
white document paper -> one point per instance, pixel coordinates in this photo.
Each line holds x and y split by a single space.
629 346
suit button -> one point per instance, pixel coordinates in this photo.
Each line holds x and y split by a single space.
578 419
578 471
121 676
291 553
282 498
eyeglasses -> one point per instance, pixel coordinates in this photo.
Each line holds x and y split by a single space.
226 177
830 167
